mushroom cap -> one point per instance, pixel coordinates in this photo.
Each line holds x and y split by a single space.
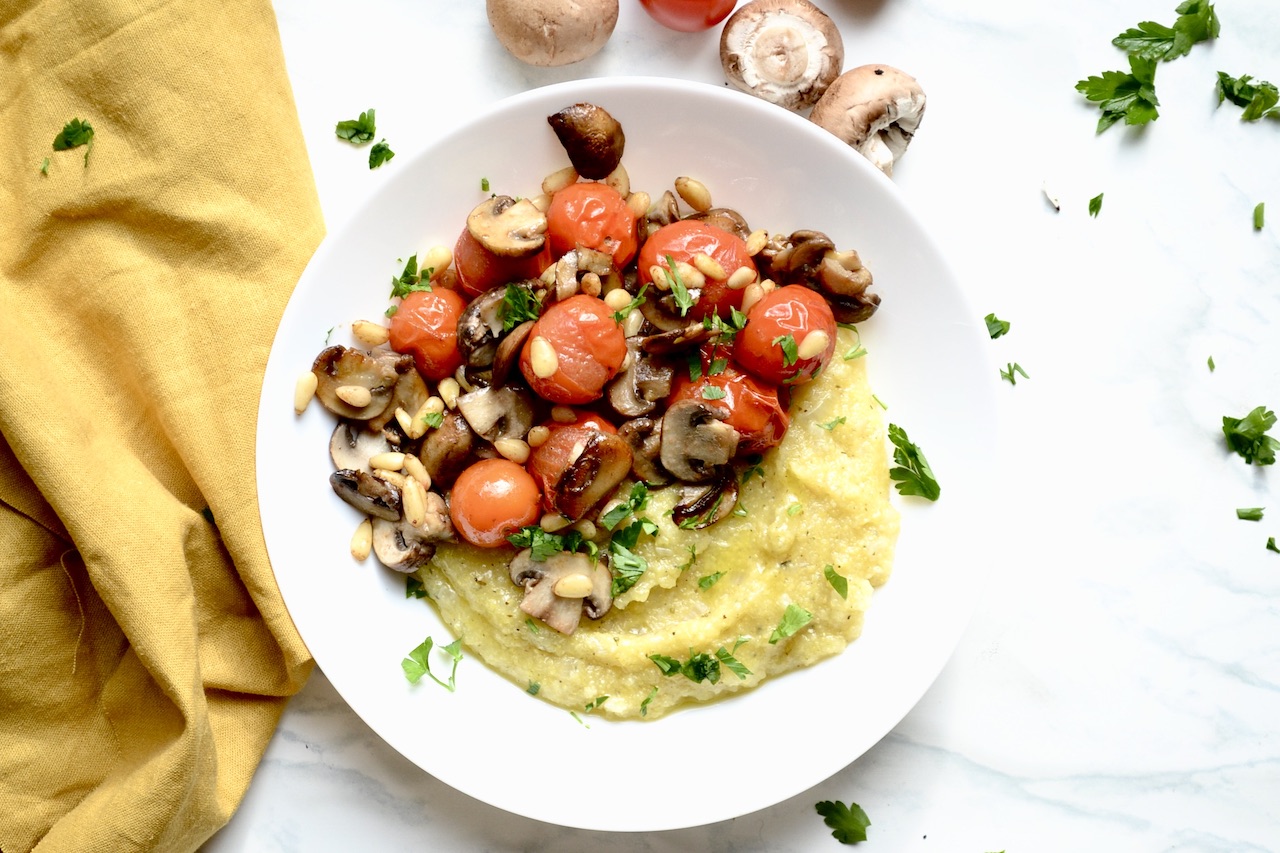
696 441
785 51
539 579
552 32
591 137
874 108
507 227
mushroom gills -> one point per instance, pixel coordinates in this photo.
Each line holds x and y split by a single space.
353 447
399 546
785 51
695 441
367 493
540 579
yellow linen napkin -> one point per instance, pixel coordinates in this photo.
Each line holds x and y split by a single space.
145 655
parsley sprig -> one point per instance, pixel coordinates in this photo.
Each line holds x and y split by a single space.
411 279
418 663
1197 21
911 471
1259 99
74 134
519 304
679 291
848 823
357 131
1248 437
1131 96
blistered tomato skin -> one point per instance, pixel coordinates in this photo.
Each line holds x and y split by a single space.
688 16
682 241
790 313
594 215
589 347
548 461
493 499
754 408
480 270
425 326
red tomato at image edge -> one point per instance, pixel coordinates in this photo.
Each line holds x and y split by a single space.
686 238
425 326
755 410
594 215
794 311
480 270
590 347
688 16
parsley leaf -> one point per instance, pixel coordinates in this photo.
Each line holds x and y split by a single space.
1095 205
911 471
1258 99
667 665
1212 366
1249 513
1131 97
379 154
838 581
644 705
848 823
693 558
711 392
1197 21
533 688
519 304
595 703
793 619
1271 544
701 667
636 501
996 327
44 167
74 134
684 301
1258 214
543 544
418 663
1248 437
708 581
626 565
795 508
357 130
830 425
411 279
484 185
621 313
1010 371
731 663
414 588
790 351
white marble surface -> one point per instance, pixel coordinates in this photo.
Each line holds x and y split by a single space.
1119 685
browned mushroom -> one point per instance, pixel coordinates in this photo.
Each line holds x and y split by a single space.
447 449
726 219
495 413
645 437
480 327
703 505
696 441
353 447
591 137
603 463
410 392
507 227
508 355
561 588
636 390
367 493
353 384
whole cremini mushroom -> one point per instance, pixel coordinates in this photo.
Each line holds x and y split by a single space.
874 108
785 51
552 32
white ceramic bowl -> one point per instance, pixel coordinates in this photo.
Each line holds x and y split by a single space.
927 363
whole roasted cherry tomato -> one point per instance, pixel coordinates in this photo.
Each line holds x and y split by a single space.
682 241
688 16
594 215
425 325
548 460
491 500
573 350
753 406
480 270
789 337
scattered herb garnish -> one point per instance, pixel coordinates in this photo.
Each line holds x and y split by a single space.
1010 371
519 304
848 823
1249 513
595 703
731 663
636 501
357 130
795 509
830 425
793 619
726 330
418 663
44 167
533 688
542 544
1197 21
414 588
753 469
790 351
1248 437
679 291
911 470
879 402
574 714
74 134
1095 205
1271 544
1258 213
996 327
644 705
621 313
531 625
698 668
435 420
626 565
1258 98
1212 367
411 279
838 581
380 153
717 366
1131 97
711 392
693 558
484 185
708 581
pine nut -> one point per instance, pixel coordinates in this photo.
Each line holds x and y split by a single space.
658 275
563 414
538 436
587 528
632 324
306 389
433 406
460 376
437 259
768 285
362 540
576 451
407 423
617 299
638 203
369 333
558 180
414 468
573 586
814 344
392 460
418 425
590 284
691 276
355 395
847 259
542 201
395 478
751 295
709 266
543 358
414 500
449 391
756 241
741 277
694 193
619 180
514 449
553 521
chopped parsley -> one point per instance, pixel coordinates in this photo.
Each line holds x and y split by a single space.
44 167
996 327
621 313
418 663
595 703
790 351
711 392
911 470
795 509
411 279
1258 98
1212 366
838 581
1131 96
357 131
1197 21
1095 205
848 823
74 134
484 185
698 668
717 366
708 581
695 366
533 688
531 625
380 153
1249 513
858 350
644 705
830 425
414 588
1271 544
636 501
1248 437
1258 213
519 304
725 330
753 469
731 663
542 544
693 558
793 619
435 420
1010 371
679 292
626 565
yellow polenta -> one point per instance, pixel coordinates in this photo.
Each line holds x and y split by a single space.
823 501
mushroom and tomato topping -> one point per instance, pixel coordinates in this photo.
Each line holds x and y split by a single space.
569 361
